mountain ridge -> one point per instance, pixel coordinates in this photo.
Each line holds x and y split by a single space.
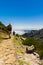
34 33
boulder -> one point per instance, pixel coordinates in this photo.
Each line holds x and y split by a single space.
36 54
30 49
22 38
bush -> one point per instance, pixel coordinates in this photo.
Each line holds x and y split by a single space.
17 35
29 41
37 44
41 54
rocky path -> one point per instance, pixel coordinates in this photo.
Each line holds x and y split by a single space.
10 56
29 59
7 53
33 60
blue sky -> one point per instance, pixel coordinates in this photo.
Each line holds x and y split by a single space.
22 14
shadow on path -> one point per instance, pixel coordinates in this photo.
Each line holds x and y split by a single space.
4 38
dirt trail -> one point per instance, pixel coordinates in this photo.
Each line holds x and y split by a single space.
33 60
7 52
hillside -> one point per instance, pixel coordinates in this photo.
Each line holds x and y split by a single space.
35 37
35 34
23 57
15 44
3 28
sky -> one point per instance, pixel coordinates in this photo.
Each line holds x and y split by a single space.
22 14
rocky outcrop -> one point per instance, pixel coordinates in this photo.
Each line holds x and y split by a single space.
30 49
36 54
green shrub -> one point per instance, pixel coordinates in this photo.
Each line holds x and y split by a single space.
29 41
41 54
17 35
37 44
21 62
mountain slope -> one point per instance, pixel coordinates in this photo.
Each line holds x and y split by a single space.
35 34
3 28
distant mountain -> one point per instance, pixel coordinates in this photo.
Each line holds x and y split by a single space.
34 33
27 31
21 31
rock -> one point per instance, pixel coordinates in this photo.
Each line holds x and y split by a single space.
22 38
37 55
30 49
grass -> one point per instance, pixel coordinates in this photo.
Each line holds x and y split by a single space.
3 35
21 62
18 44
20 50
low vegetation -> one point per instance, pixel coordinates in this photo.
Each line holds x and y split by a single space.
18 44
3 27
20 50
21 62
37 44
3 35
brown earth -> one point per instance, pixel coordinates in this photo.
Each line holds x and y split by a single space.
7 52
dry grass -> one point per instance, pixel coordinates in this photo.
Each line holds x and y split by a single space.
18 45
3 35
